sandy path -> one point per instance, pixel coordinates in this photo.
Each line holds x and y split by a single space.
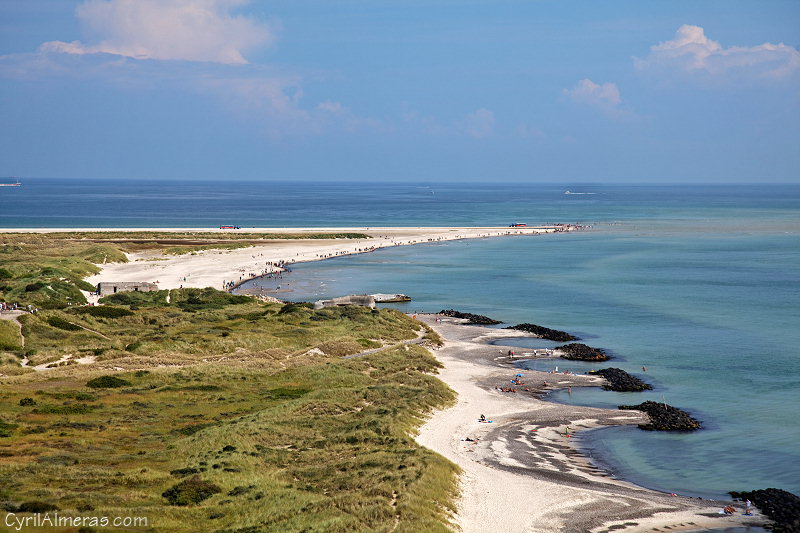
520 473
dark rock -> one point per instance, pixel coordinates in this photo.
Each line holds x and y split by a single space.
545 333
620 381
779 505
471 318
664 417
581 352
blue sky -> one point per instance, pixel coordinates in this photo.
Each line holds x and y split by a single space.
494 90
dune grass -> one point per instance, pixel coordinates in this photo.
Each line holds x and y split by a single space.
324 446
10 336
213 412
228 393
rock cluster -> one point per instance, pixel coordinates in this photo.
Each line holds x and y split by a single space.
664 417
779 505
471 318
620 381
545 333
581 352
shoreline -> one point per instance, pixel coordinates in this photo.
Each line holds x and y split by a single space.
521 472
226 268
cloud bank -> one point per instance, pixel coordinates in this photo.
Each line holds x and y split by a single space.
188 30
692 51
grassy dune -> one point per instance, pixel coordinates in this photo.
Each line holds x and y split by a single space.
216 412
47 269
318 447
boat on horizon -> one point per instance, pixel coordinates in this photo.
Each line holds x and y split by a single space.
17 184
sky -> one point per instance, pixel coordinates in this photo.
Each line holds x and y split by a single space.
691 91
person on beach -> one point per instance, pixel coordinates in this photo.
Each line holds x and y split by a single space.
482 419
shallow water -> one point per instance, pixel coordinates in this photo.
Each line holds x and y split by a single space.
713 317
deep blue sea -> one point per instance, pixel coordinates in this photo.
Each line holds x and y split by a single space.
700 284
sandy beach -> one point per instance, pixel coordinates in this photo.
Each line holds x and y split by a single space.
214 268
521 472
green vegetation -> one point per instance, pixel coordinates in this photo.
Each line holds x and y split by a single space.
322 446
60 323
47 270
137 299
105 311
191 491
225 414
9 336
107 382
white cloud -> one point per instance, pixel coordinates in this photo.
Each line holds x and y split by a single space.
605 96
480 124
692 51
189 30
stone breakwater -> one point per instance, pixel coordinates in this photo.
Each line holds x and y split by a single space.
779 505
472 319
545 333
580 352
620 381
664 417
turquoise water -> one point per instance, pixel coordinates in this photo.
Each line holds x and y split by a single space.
712 315
699 283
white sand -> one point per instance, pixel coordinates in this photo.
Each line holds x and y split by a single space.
497 499
212 268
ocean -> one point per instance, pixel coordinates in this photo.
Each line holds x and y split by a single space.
700 284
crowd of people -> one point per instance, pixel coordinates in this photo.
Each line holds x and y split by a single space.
16 307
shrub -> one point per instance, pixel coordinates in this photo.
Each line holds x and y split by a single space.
107 382
27 401
205 299
6 274
33 287
104 311
294 307
183 472
36 507
191 491
286 393
60 323
137 299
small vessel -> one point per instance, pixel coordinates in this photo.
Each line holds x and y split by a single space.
17 184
